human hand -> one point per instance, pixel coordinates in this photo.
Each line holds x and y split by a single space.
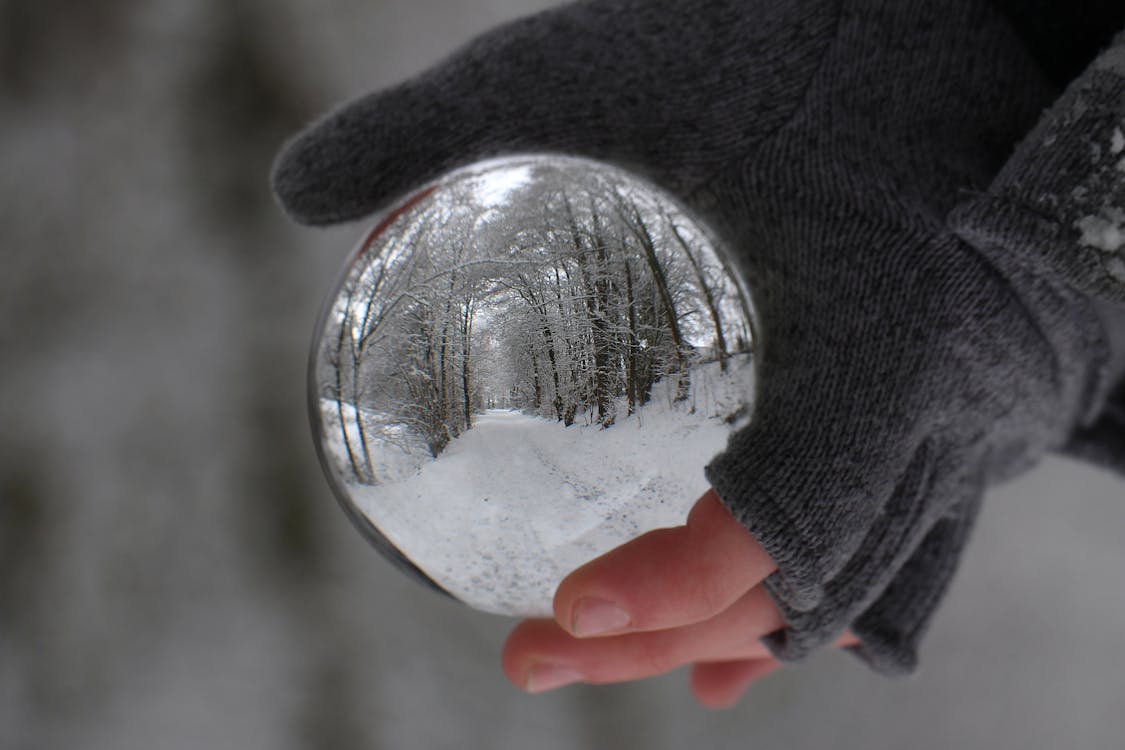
899 370
690 594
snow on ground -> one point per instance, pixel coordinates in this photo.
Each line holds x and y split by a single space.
517 502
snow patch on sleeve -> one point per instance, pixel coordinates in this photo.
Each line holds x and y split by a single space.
1105 231
1116 268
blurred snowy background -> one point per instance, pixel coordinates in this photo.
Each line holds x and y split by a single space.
173 570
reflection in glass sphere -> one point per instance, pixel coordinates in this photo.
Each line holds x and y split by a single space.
525 365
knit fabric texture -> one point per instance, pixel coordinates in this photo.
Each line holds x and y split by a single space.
1057 208
902 367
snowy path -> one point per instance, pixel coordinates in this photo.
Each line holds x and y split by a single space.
518 501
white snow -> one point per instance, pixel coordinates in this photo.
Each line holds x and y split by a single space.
517 502
1104 231
1116 268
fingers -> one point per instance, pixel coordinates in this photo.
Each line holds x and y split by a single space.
665 579
672 597
538 649
721 684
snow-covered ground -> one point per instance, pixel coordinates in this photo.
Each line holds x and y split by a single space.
517 502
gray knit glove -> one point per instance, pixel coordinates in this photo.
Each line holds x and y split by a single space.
900 371
1057 208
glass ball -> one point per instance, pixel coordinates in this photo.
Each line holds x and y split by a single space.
524 365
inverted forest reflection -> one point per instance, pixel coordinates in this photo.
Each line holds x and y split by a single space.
546 336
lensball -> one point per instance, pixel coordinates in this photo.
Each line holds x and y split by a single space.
524 365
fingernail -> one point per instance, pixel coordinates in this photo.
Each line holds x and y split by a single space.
592 616
543 677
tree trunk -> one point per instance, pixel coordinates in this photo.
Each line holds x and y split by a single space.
633 344
740 294
366 475
445 400
340 410
708 296
671 319
537 388
466 349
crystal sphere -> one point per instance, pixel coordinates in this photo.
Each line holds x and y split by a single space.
524 365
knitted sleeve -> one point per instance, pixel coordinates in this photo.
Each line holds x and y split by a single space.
1050 227
1058 207
1059 202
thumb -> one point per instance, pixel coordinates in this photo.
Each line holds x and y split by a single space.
666 87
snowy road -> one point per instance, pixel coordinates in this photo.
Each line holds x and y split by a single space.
518 501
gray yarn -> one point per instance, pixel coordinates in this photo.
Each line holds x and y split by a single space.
906 362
